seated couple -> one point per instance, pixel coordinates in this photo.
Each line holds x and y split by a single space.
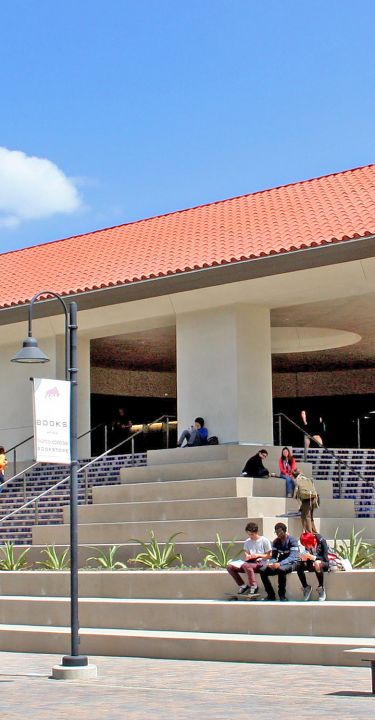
254 467
287 464
196 435
280 559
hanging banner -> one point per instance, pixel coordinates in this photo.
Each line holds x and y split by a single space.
52 421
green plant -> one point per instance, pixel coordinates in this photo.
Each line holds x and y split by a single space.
154 557
9 562
55 561
222 557
356 551
108 561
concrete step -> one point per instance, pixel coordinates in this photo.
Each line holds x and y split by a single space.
186 489
355 586
202 508
223 647
210 452
195 530
341 619
195 470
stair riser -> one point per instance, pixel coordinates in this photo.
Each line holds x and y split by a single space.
173 584
220 650
201 509
304 619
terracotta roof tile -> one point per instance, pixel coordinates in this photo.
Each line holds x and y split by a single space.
306 214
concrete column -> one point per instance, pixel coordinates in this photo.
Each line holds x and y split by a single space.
224 372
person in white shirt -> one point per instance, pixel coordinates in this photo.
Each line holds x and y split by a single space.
257 549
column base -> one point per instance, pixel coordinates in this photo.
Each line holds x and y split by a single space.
80 672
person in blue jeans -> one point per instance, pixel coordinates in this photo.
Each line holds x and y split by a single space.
196 436
287 463
285 556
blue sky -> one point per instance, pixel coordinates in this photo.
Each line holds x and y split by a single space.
134 108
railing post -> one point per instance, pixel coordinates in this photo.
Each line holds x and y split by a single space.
132 444
339 461
167 432
358 432
280 434
105 437
14 461
24 488
86 487
36 512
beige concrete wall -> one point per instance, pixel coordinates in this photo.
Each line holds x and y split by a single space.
338 382
224 372
115 381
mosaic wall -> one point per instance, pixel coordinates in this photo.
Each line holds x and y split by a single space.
137 383
339 382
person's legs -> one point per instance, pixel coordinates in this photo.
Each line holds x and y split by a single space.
313 505
185 435
235 573
320 567
262 473
290 485
250 569
264 574
301 568
192 440
306 516
282 572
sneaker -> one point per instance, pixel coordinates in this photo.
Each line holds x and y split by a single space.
282 598
244 589
269 598
307 593
253 590
322 594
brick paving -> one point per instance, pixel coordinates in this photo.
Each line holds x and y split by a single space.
144 689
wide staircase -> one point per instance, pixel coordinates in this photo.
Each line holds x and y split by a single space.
49 509
354 465
184 613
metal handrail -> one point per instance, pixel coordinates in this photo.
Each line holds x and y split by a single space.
84 468
30 467
339 461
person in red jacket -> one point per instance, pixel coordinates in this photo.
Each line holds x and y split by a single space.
287 464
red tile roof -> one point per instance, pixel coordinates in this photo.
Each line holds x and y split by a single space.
303 215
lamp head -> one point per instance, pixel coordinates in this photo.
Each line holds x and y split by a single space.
30 353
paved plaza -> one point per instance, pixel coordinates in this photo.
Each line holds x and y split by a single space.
144 689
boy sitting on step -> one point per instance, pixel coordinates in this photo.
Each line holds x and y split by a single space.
257 549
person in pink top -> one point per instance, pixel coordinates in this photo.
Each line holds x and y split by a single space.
287 464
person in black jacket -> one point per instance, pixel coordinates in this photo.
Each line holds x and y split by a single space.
285 556
315 558
254 466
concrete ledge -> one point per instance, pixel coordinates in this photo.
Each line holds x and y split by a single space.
358 585
340 619
187 645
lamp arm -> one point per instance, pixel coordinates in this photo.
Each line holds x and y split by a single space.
30 318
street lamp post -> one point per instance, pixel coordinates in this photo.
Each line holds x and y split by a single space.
31 353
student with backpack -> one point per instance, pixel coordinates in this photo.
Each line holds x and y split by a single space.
307 495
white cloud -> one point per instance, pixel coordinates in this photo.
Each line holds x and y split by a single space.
33 188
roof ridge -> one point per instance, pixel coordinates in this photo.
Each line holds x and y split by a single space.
184 210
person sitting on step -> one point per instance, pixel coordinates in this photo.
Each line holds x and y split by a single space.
254 467
257 549
285 556
195 436
314 559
